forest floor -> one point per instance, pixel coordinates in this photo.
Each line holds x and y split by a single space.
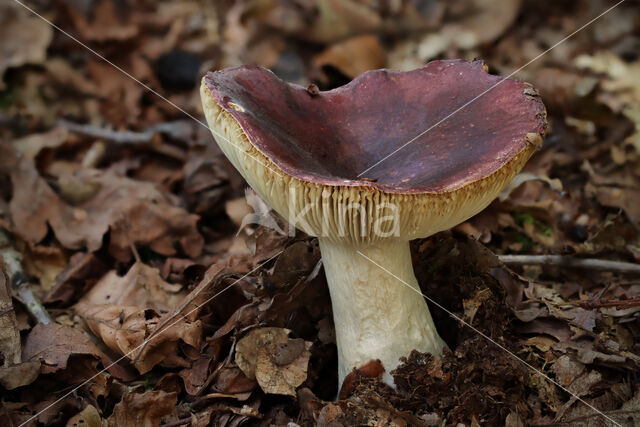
121 215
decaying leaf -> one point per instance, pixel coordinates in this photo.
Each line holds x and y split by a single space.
148 409
123 311
94 169
24 38
125 328
277 362
133 211
464 30
353 56
142 286
53 345
88 417
523 177
21 374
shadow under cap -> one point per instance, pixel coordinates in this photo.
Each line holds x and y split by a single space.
331 137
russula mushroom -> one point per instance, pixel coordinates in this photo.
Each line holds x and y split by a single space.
304 153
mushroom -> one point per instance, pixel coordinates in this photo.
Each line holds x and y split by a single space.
390 157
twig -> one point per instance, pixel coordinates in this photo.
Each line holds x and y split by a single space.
567 261
175 130
120 137
571 422
619 304
19 281
30 301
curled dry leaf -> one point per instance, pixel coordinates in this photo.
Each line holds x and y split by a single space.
144 409
105 22
88 417
523 177
621 89
133 211
54 344
281 368
24 38
623 198
371 369
81 271
30 145
278 363
327 21
296 262
124 311
12 377
567 370
248 347
142 286
472 23
353 56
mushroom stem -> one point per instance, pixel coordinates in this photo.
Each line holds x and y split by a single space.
376 315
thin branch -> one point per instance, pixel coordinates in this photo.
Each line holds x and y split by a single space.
571 422
33 305
118 136
19 281
177 130
593 264
620 304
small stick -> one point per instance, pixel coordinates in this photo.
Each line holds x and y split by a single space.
19 281
567 261
619 304
130 137
37 310
117 136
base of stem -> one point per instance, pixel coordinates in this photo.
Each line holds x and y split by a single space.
378 309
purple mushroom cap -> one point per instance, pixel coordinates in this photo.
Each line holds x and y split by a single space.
431 130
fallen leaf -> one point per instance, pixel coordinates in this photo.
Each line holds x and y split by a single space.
81 272
106 23
54 344
88 417
623 198
140 332
567 370
632 408
133 211
125 328
472 24
144 409
12 377
523 177
580 386
44 263
247 349
278 363
24 38
142 286
353 56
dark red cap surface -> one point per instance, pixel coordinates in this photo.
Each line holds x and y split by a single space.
332 137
